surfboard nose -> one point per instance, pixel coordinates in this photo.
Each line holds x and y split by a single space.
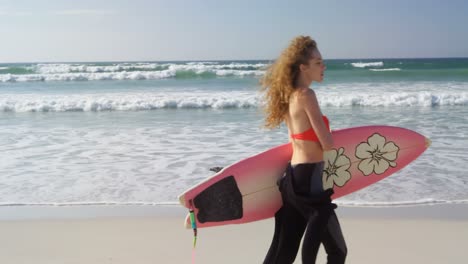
428 142
182 200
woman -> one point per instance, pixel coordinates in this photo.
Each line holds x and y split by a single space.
305 203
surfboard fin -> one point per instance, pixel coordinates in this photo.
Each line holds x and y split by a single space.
216 169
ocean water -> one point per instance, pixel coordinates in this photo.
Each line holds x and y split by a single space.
119 133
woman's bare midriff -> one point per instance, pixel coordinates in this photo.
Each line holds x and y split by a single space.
306 151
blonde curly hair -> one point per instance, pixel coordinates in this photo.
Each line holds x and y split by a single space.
280 79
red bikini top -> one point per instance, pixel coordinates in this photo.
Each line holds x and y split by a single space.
309 134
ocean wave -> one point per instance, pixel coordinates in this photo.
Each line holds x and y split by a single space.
83 68
349 70
172 72
214 100
86 76
126 71
125 102
367 64
426 99
383 70
191 66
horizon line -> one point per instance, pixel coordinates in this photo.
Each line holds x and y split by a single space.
218 60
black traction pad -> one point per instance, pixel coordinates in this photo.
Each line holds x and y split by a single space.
221 201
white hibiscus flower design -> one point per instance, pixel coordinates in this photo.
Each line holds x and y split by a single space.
376 155
336 169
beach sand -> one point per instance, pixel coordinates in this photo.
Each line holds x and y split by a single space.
425 234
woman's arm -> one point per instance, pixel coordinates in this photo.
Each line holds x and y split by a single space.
312 109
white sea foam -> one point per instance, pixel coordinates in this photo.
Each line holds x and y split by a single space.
83 68
124 75
131 71
389 69
198 66
87 76
215 100
125 102
367 64
395 99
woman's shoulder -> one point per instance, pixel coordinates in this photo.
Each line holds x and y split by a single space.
305 94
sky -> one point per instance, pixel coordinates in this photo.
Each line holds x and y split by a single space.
157 30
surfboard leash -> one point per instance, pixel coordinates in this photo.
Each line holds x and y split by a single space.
193 223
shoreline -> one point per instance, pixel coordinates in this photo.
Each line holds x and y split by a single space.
455 212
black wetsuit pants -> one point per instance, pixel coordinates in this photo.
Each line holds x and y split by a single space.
308 209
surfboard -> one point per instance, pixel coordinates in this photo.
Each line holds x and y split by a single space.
247 190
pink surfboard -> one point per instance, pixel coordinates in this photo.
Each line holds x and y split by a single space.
246 191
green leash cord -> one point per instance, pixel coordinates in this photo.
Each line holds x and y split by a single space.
194 225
